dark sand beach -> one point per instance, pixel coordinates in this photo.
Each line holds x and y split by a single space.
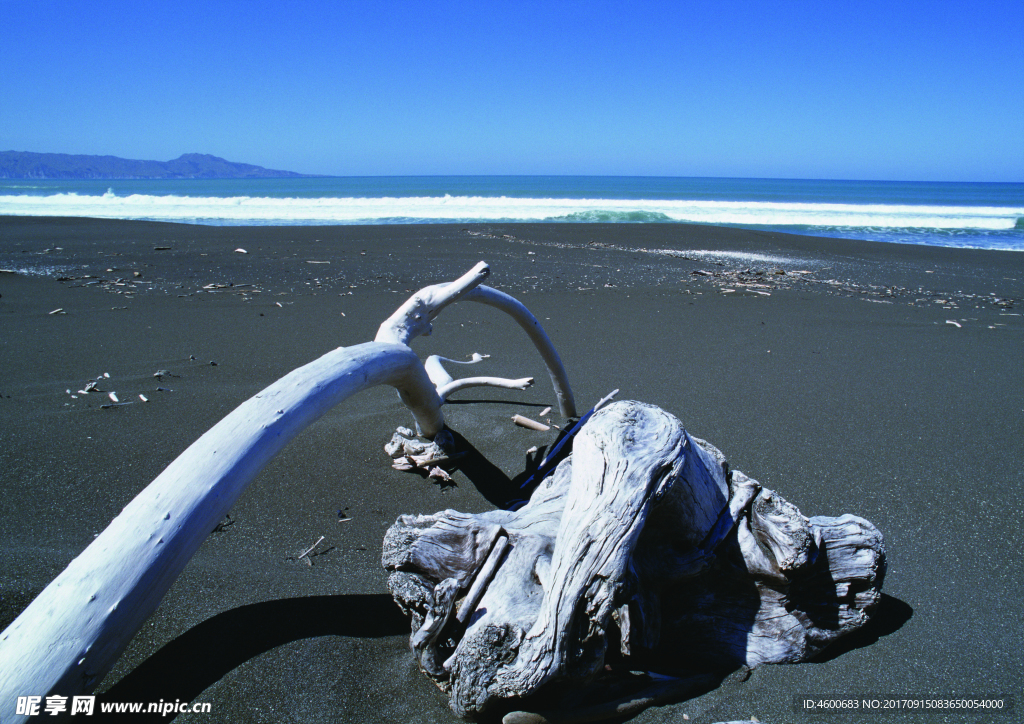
876 379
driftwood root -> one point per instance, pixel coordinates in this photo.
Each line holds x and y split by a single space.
642 551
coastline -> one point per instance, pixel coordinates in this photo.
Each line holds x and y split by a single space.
961 215
877 379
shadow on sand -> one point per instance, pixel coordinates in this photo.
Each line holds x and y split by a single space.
892 613
204 654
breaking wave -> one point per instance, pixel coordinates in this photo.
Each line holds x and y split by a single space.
502 208
616 217
952 225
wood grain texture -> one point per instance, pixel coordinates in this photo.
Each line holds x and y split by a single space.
641 552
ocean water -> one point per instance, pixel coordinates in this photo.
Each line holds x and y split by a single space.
977 215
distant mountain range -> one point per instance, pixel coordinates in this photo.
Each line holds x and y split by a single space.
18 164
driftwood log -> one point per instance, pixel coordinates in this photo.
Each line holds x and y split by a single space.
68 638
641 552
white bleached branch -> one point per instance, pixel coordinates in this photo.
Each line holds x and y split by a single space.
525 319
434 365
446 384
466 382
68 638
414 319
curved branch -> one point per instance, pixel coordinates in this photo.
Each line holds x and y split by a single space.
446 390
68 638
434 365
413 318
515 309
446 384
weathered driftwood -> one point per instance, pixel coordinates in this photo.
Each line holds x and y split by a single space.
641 552
414 319
66 640
446 385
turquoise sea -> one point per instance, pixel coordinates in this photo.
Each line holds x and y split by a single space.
978 215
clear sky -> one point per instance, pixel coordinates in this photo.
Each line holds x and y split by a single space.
856 89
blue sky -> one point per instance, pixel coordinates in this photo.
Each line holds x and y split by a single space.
789 89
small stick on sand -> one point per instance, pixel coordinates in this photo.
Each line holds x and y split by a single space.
311 548
530 424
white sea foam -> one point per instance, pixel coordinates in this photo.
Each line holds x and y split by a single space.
42 270
330 210
742 256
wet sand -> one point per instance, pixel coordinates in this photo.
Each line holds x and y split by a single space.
881 380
